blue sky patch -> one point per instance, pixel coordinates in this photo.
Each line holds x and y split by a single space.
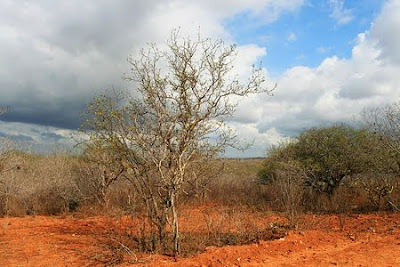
307 36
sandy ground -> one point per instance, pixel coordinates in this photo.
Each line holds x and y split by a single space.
365 240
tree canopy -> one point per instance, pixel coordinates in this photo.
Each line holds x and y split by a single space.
328 154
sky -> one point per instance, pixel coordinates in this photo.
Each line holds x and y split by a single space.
330 60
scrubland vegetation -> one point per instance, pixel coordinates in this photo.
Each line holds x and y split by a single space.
338 170
149 157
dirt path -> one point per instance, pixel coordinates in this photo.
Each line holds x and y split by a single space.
367 240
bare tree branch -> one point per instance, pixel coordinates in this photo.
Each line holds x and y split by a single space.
175 117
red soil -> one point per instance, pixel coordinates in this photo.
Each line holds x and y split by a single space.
365 240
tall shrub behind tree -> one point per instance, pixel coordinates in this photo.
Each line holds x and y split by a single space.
384 122
328 154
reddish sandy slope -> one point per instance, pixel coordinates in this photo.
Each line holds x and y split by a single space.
367 240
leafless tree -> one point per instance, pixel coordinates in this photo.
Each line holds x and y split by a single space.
385 123
105 165
175 117
4 146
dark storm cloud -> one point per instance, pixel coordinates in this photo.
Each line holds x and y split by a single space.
56 56
63 114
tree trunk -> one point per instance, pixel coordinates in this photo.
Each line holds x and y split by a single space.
103 190
175 225
162 229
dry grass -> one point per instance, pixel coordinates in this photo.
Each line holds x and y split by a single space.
59 183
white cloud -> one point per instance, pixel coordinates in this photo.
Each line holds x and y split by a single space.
55 56
292 37
339 12
323 49
338 89
260 141
209 15
383 32
248 55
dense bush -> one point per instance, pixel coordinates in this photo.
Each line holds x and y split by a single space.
321 159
